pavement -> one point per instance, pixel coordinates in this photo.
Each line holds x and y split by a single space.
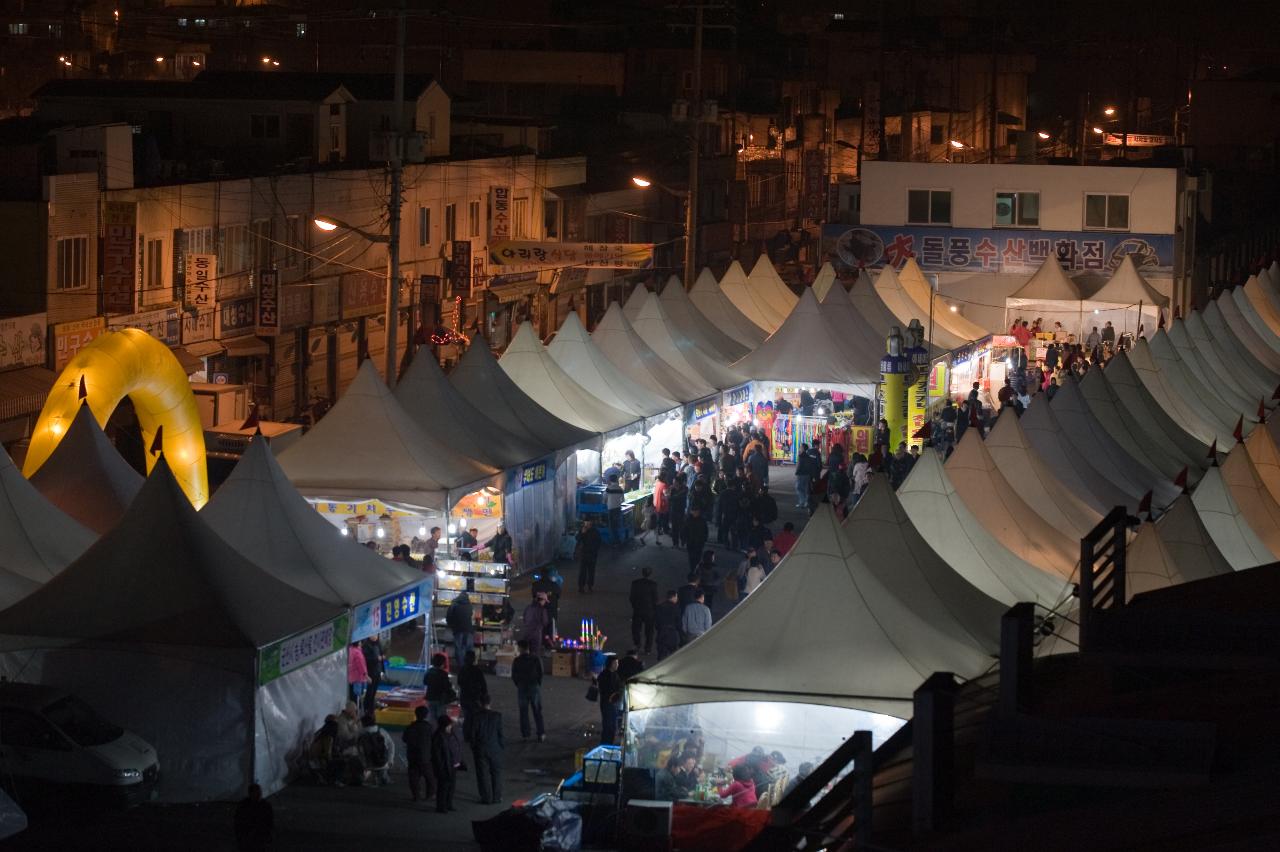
311 818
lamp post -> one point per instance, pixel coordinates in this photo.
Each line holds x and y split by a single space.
689 225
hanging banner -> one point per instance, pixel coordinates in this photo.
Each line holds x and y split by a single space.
200 273
376 616
815 180
164 324
363 294
236 318
22 341
279 659
119 257
460 268
268 302
499 213
549 255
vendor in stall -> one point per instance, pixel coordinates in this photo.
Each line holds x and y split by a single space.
631 472
500 544
468 543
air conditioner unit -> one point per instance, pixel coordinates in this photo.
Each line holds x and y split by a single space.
646 826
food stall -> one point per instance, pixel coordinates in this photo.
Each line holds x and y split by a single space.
983 361
488 587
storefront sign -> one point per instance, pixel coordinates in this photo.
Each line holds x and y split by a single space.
324 302
815 181
738 396
164 324
532 474
201 271
939 380
198 327
376 616
268 302
279 659
22 341
236 318
994 250
363 294
707 408
499 213
1137 140
119 257
460 269
70 337
295 306
526 255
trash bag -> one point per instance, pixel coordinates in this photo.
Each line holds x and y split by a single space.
563 832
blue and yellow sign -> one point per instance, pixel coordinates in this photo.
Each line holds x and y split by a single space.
532 474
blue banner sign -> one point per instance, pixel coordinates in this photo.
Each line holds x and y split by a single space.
405 605
532 474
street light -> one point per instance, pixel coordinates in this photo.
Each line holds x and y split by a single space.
1109 111
957 144
644 183
1097 130
1043 135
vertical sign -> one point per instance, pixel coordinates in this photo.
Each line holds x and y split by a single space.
477 272
268 302
179 265
815 197
119 257
460 269
199 273
429 299
500 215
70 337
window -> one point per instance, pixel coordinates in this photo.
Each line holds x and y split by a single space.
233 249
1106 212
300 30
17 29
1017 210
199 241
293 237
424 226
153 264
264 126
520 218
928 206
431 127
335 138
262 237
451 222
182 22
335 109
473 219
55 30
200 22
73 263
551 218
935 134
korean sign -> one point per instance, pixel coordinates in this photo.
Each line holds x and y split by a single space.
460 269
535 255
22 341
236 318
164 324
1000 251
70 337
278 660
295 306
1136 140
378 615
119 257
197 327
499 212
363 293
201 270
268 302
532 474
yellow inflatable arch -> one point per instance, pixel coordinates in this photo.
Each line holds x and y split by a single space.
129 363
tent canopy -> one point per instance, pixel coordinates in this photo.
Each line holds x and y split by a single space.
1258 507
722 313
824 280
1151 412
808 349
867 302
858 644
890 290
693 325
576 353
367 445
920 292
1205 383
1120 411
1226 524
635 301
753 304
1265 456
764 279
1174 549
1238 325
85 476
864 345
529 365
1163 380
1077 472
681 354
259 513
36 539
1188 391
1127 287
1049 284
1018 462
617 340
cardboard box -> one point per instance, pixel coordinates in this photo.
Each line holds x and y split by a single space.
564 664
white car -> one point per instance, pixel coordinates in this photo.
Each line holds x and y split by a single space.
52 738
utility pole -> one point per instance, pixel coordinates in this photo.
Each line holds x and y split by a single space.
695 135
393 204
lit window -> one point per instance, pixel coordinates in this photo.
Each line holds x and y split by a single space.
182 22
473 219
300 30
18 29
153 265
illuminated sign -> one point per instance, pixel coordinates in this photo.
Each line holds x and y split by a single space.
532 474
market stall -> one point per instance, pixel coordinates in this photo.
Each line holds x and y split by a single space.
1049 295
487 586
724 314
617 340
987 361
1126 300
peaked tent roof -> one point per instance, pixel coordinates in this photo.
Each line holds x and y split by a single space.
867 302
859 644
1191 419
1257 323
1184 384
426 395
1231 394
1256 504
367 445
1223 358
1049 284
1153 415
945 521
639 295
1001 509
655 328
807 348
889 288
693 325
1235 354
918 289
617 340
724 314
864 344
529 365
1265 456
1018 462
1238 325
1075 471
1126 286
259 513
1269 287
1174 549
824 280
764 279
1156 455
85 476
479 379
583 362
753 305
36 539
1225 523
164 577
1262 302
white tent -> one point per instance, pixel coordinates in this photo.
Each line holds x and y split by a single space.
1239 325
1263 304
1080 476
367 446
1257 323
1183 382
764 279
808 349
1050 294
168 631
536 373
1001 509
1224 358
1035 482
38 540
867 302
921 293
945 522
1247 489
1191 416
1153 415
1118 300
864 345
681 354
1143 442
692 324
579 357
1265 456
1226 524
1174 549
639 294
1228 395
479 379
840 634
754 305
824 280
617 340
895 298
1243 359
85 476
722 313
259 513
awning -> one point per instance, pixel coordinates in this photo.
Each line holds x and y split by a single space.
204 348
24 391
190 363
244 347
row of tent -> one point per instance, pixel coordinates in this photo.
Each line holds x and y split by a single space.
915 581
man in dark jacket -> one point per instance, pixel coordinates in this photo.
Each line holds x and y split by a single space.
486 747
644 600
696 534
460 619
588 552
417 752
371 647
446 757
804 477
474 692
630 665
758 465
667 621
526 674
440 692
764 507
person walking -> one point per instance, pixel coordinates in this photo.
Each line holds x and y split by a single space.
613 496
644 602
609 686
696 534
758 466
440 692
446 759
417 753
526 674
357 673
460 619
473 691
486 749
501 545
631 472
255 822
374 663
677 506
804 477
696 619
708 577
588 553
666 619
534 622
661 509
